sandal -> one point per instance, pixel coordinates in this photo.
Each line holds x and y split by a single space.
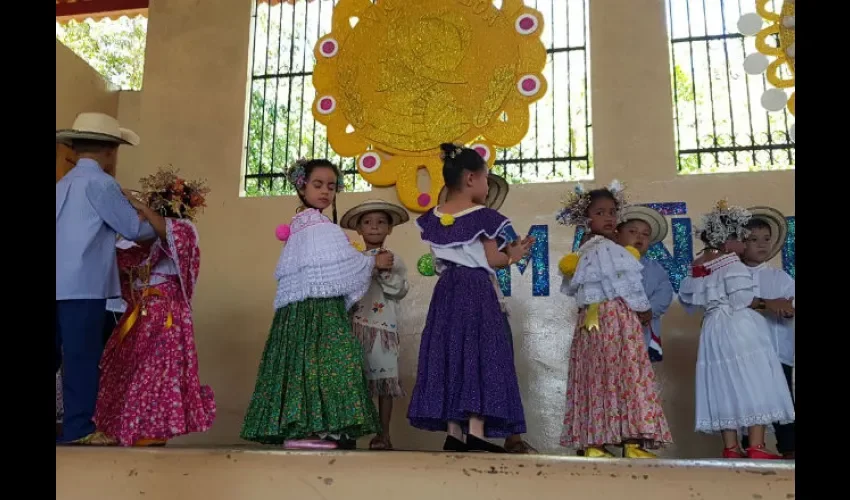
380 443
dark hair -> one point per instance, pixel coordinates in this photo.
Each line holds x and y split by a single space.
759 224
92 146
308 170
456 160
600 194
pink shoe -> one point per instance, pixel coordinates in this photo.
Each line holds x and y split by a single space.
309 444
759 453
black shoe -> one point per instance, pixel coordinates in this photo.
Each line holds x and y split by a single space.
454 444
477 444
346 444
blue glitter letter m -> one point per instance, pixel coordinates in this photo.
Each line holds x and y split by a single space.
539 264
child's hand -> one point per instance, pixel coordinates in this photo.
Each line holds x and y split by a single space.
781 307
384 260
645 317
519 249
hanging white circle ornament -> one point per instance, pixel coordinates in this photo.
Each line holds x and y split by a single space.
776 52
750 24
774 99
756 64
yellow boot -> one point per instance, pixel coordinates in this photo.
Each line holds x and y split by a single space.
597 452
633 450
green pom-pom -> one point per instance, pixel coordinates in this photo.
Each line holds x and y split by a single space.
426 265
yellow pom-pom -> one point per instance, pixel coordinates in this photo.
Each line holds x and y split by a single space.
447 220
568 264
634 251
359 246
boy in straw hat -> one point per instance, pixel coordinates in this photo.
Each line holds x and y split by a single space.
90 211
768 229
641 227
376 316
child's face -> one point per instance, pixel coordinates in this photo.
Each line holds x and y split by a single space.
757 245
603 217
635 233
374 227
320 188
478 186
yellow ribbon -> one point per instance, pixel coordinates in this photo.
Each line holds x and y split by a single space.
591 318
137 311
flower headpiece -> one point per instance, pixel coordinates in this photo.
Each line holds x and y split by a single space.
724 222
576 203
297 175
170 195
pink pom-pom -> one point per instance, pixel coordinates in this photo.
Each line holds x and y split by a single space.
282 232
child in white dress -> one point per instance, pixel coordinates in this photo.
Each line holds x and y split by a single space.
376 316
739 380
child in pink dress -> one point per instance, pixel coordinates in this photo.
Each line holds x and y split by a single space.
149 386
612 397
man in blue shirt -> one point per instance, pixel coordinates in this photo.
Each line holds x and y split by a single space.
90 211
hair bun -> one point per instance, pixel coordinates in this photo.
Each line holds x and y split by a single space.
447 147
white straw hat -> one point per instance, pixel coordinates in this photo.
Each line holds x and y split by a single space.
351 218
497 191
658 227
778 227
97 127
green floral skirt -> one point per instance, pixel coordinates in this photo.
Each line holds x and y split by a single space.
311 379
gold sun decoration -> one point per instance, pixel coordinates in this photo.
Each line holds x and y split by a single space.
395 78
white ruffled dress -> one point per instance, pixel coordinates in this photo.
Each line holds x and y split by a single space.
739 379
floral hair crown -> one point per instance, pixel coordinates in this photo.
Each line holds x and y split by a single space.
576 203
168 193
724 222
297 175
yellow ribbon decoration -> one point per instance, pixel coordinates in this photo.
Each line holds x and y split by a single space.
591 318
134 315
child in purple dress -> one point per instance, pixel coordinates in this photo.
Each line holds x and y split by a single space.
466 382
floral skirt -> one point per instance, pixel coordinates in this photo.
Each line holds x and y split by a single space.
611 391
311 379
149 385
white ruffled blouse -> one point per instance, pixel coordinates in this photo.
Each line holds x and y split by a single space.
318 261
606 271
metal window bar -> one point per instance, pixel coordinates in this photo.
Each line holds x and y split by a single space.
281 127
720 123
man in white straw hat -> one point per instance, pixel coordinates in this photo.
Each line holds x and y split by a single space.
376 316
641 227
768 230
90 211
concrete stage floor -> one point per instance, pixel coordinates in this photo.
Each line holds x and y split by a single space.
248 473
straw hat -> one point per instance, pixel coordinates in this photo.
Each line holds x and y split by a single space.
657 223
496 193
97 127
397 214
778 227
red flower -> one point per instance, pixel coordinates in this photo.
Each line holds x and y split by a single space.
700 272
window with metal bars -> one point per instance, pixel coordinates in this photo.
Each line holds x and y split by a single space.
720 123
281 127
